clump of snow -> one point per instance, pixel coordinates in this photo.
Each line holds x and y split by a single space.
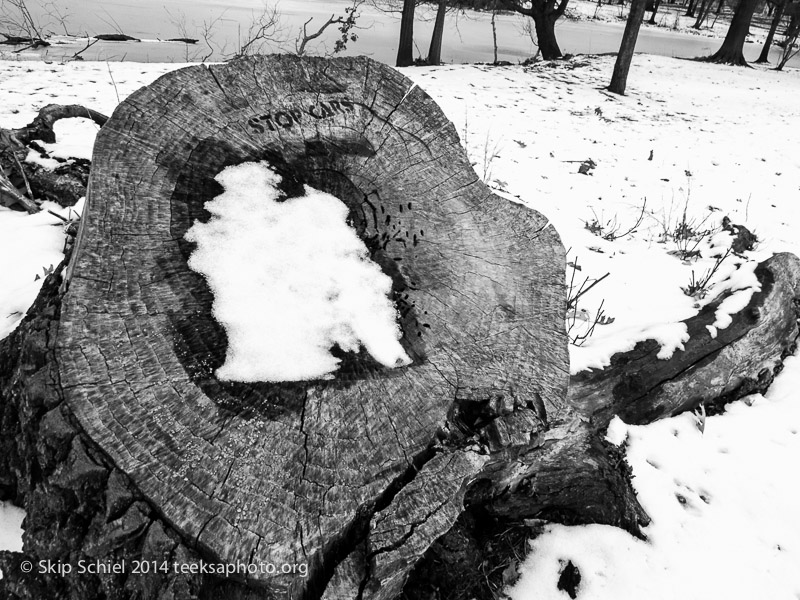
617 431
74 139
290 279
35 157
11 527
744 284
671 337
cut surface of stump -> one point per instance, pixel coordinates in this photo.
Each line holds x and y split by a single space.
289 473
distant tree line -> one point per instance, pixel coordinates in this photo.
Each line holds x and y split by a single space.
545 13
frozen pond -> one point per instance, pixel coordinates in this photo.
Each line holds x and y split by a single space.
466 39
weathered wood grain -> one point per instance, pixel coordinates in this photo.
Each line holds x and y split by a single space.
289 473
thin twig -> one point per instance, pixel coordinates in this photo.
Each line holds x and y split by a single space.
89 44
114 83
58 215
581 292
22 173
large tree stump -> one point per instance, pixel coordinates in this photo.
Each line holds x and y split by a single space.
299 473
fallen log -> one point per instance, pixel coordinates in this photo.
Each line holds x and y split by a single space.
65 185
712 369
116 37
29 42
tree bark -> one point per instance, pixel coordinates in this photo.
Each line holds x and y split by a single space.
619 78
545 14
705 7
435 51
405 48
494 36
794 24
776 20
731 50
652 20
690 9
546 36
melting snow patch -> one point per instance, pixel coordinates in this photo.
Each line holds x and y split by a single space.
74 138
671 337
290 279
617 431
743 282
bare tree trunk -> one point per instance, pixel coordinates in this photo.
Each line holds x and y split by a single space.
494 35
794 24
776 20
544 13
720 4
405 49
435 51
731 50
690 9
546 36
619 78
652 20
705 7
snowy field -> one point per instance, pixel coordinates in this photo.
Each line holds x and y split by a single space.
690 144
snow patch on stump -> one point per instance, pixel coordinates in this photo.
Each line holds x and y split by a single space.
290 279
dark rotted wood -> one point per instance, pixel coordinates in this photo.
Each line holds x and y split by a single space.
10 196
41 128
640 388
303 472
64 185
13 40
116 37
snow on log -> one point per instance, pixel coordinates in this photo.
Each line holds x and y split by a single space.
714 367
300 472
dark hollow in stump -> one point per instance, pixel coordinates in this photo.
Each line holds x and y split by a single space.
303 472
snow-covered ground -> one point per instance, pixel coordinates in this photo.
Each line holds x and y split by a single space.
668 16
689 144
